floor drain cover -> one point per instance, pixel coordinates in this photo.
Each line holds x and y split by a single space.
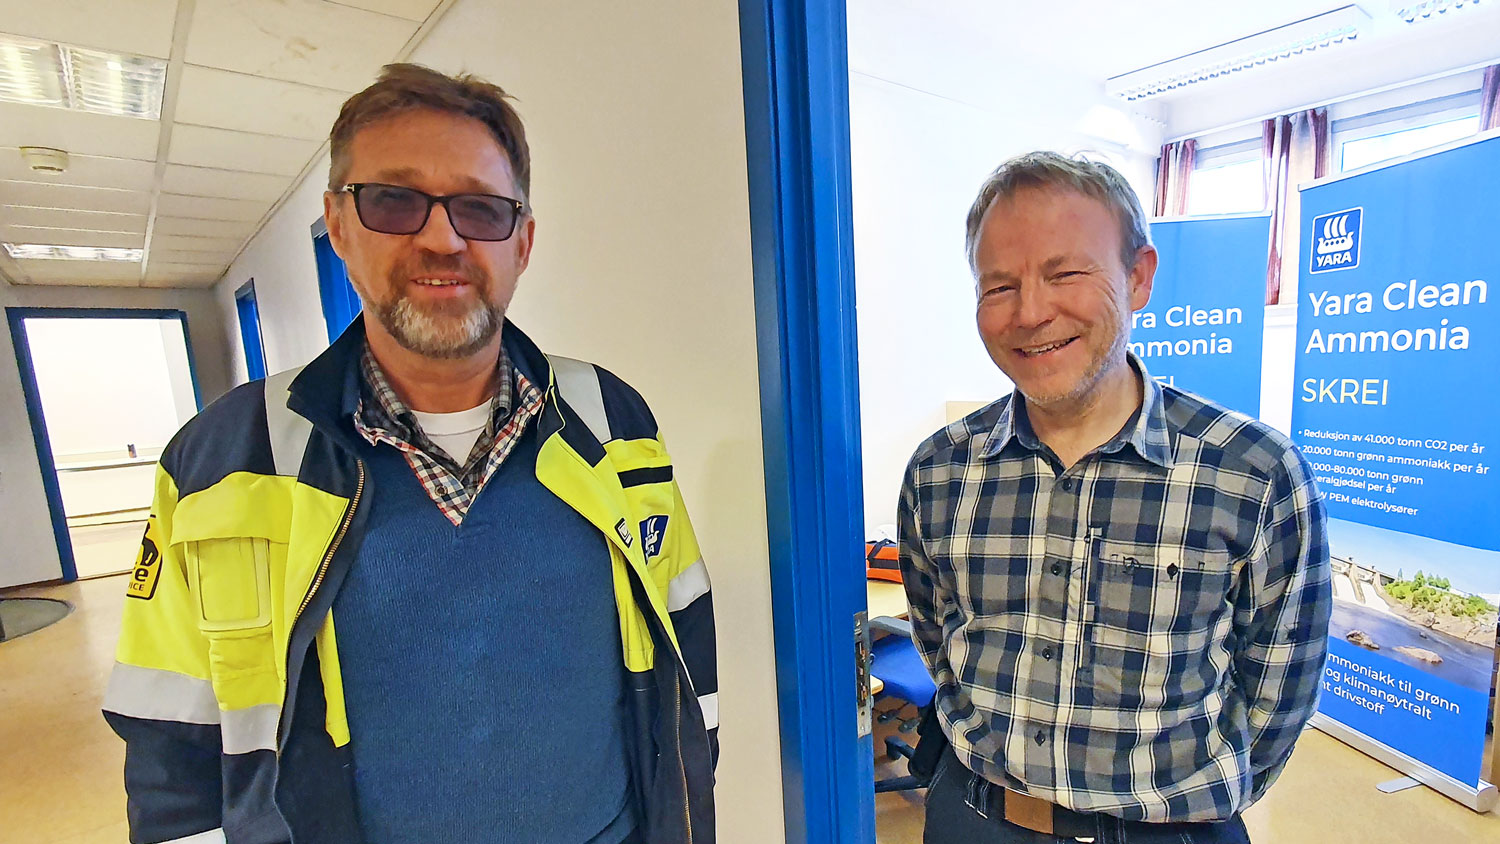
19 616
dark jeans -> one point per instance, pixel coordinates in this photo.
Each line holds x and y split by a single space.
951 820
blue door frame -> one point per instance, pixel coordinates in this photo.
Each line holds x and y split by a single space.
17 317
341 304
794 58
248 310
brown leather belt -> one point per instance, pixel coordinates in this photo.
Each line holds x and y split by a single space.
1030 812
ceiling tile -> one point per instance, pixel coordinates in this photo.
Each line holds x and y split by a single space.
191 243
307 41
204 228
219 98
160 272
86 170
201 146
412 10
81 272
61 219
70 237
142 27
78 132
182 282
70 197
211 209
229 184
169 256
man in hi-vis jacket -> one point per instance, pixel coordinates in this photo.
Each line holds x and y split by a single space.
435 585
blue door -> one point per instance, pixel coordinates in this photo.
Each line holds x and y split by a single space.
340 303
249 312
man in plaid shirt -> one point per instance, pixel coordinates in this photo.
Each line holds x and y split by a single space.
1121 589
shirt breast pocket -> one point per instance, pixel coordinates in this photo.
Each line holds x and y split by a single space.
1159 588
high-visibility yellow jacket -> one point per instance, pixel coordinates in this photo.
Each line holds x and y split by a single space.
226 687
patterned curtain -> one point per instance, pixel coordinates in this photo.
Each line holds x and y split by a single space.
1296 149
1489 99
1174 169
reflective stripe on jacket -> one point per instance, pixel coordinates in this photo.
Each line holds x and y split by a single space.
226 687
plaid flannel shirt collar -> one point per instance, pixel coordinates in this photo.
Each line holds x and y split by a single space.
388 414
1147 433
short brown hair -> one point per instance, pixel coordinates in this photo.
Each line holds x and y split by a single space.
409 87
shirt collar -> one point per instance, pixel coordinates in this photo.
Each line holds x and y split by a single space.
1146 432
383 407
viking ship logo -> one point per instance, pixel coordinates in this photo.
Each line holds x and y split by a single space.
1336 241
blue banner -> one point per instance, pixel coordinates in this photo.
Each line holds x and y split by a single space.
1205 325
1397 393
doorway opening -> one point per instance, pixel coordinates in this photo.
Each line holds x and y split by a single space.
105 391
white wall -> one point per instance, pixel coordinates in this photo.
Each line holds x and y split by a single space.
280 260
1278 360
30 548
932 112
635 117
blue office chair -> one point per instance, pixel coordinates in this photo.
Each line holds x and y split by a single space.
894 659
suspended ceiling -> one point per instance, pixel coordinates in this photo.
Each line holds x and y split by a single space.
252 89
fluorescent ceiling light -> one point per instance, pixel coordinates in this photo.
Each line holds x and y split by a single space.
39 251
1283 42
1418 12
47 74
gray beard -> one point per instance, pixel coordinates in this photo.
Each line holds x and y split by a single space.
442 336
1117 353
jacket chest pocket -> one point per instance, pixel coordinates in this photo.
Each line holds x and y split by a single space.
1158 588
232 579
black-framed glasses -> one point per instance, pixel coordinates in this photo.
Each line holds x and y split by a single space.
393 209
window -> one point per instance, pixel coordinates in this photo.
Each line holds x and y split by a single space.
1228 179
1228 189
1390 133
249 312
1363 152
340 303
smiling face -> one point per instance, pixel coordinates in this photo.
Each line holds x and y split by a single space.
433 292
1054 296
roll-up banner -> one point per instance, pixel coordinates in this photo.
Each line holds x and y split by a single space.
1397 408
1205 325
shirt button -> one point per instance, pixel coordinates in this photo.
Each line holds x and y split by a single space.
1067 485
1047 652
1041 737
1057 569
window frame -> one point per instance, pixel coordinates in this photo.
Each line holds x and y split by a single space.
1232 153
1398 119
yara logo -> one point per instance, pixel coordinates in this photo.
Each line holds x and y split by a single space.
1336 240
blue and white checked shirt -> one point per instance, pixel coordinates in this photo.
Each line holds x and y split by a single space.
1142 634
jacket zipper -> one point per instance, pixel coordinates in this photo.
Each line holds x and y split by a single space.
687 807
338 539
322 572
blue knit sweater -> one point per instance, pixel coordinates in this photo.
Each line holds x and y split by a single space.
482 667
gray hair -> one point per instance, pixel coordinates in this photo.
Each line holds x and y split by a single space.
1050 170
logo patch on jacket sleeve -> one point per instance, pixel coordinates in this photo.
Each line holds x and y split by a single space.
624 532
147 569
653 531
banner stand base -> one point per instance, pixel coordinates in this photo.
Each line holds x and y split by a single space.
1397 785
1481 799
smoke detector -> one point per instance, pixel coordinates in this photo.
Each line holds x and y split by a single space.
45 159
